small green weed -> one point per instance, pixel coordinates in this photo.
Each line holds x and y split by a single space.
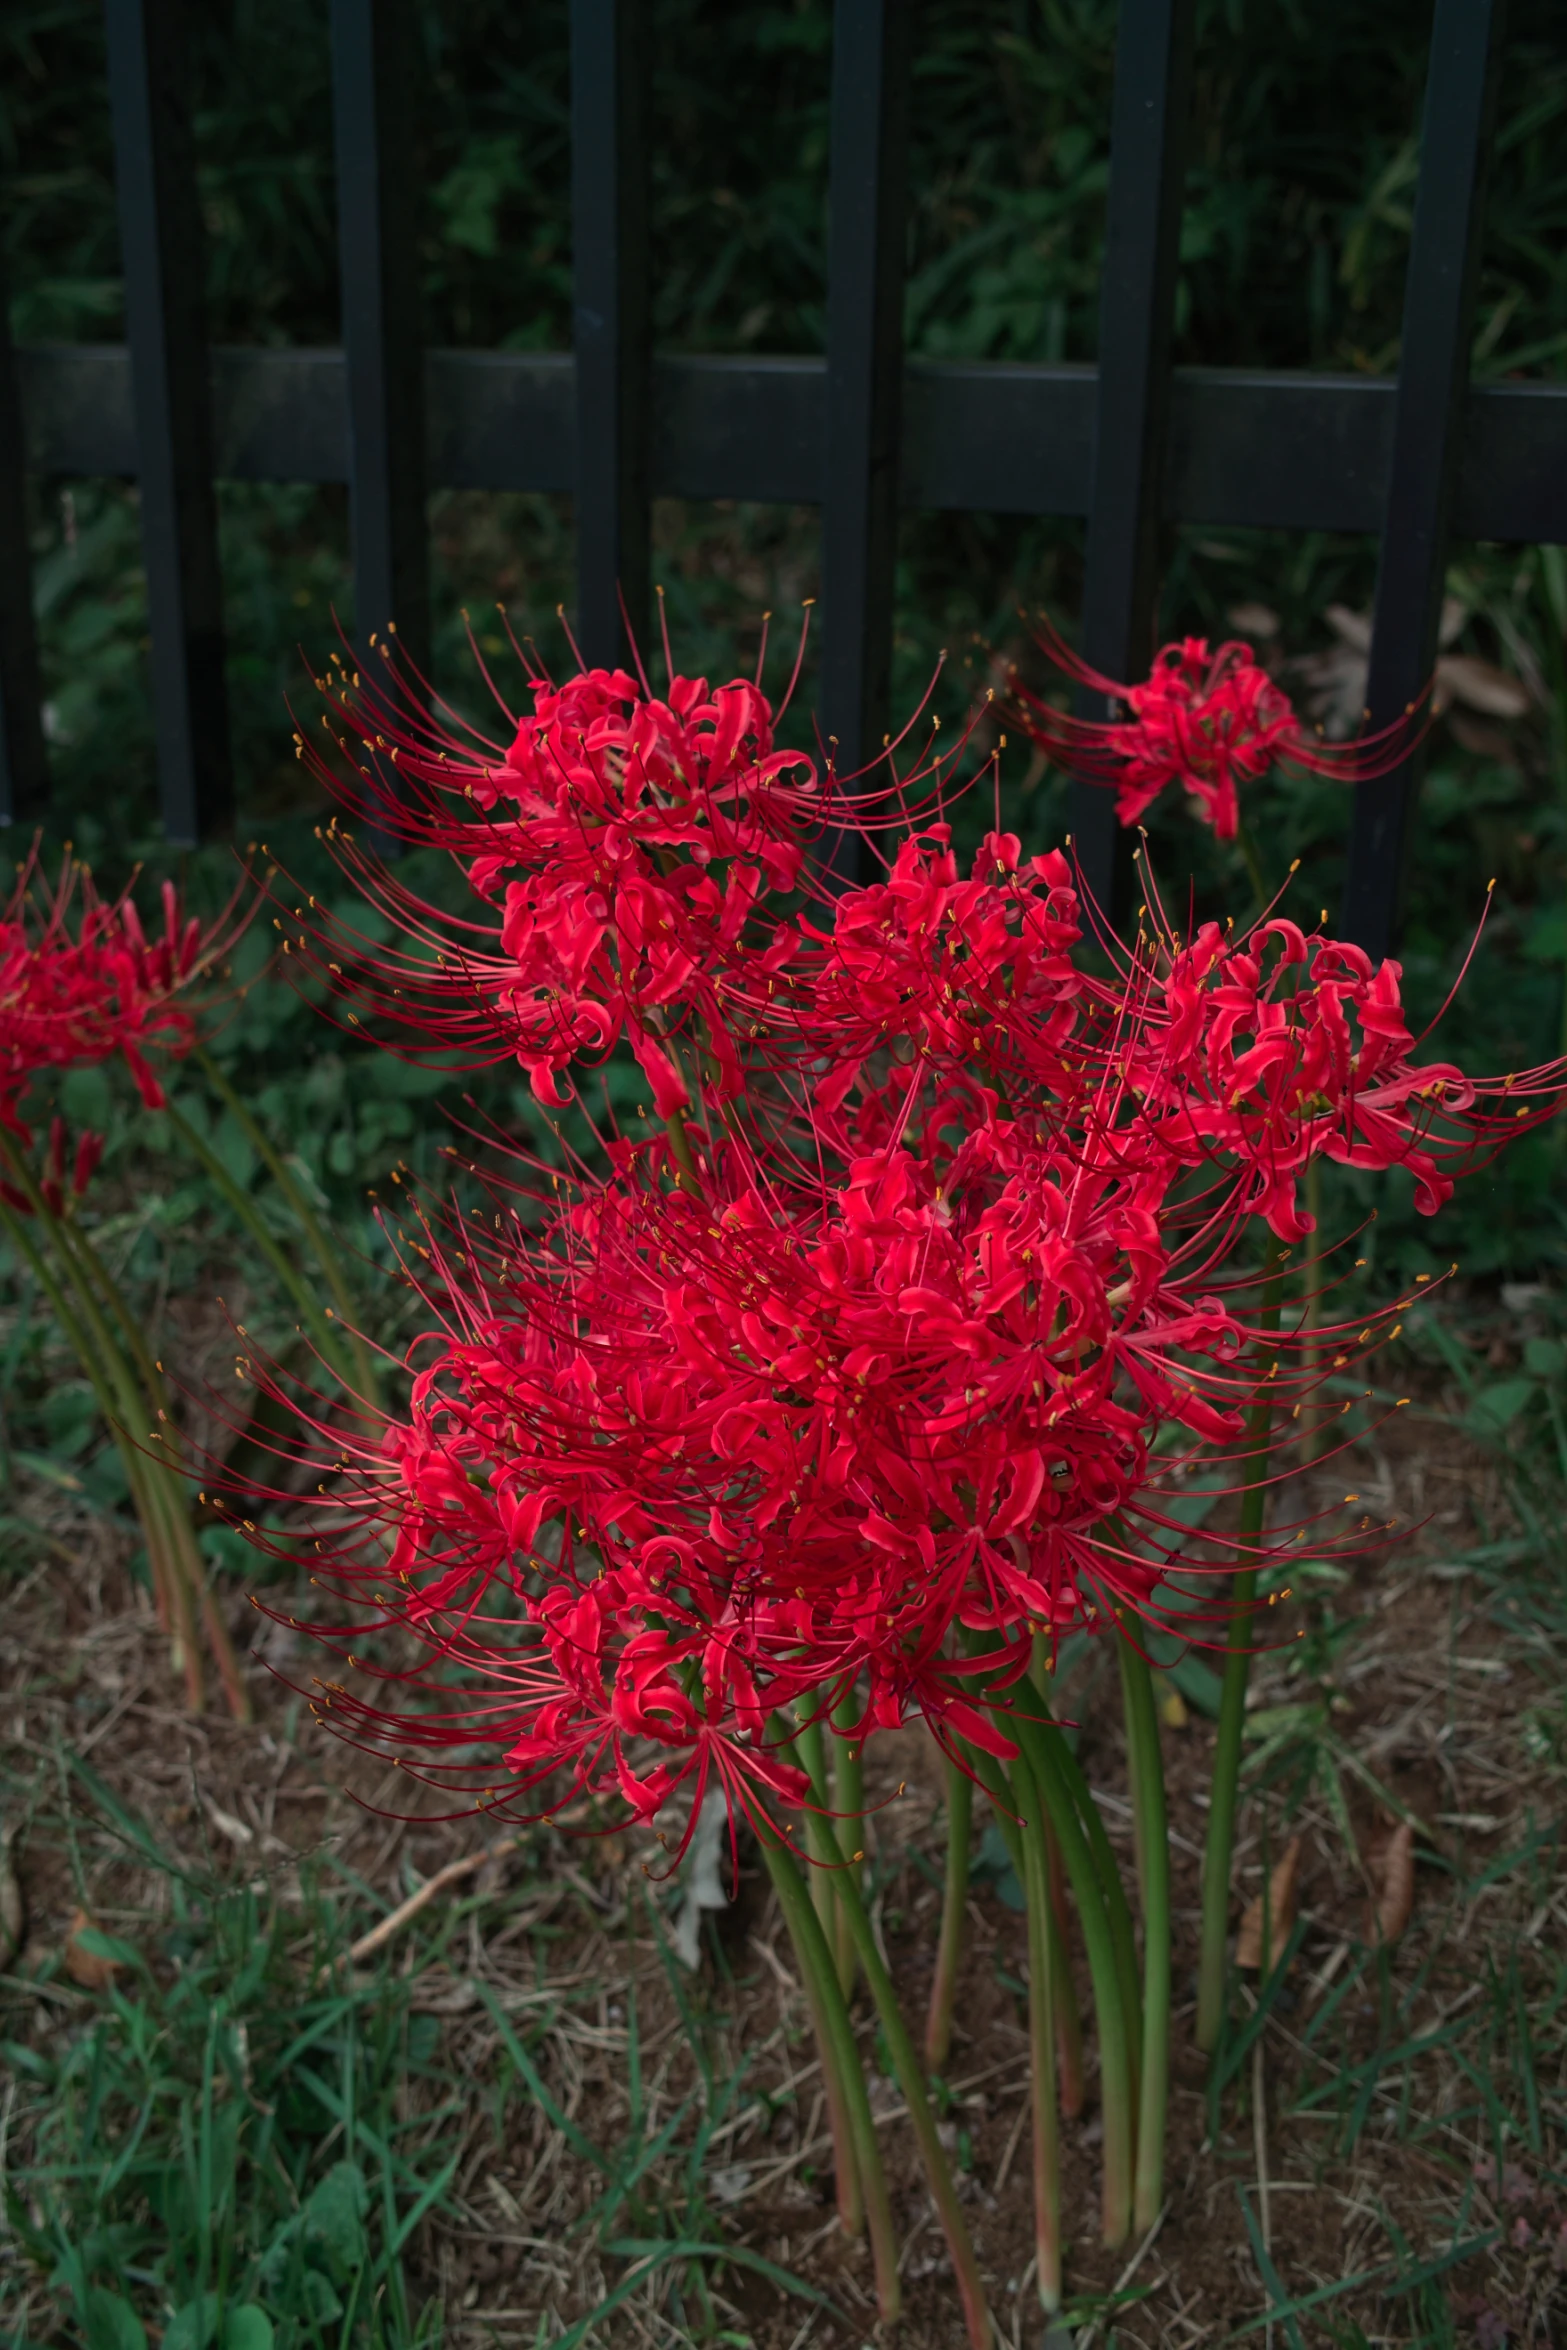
237 2146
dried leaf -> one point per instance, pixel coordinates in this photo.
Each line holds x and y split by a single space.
1485 740
1455 613
227 1825
1460 677
1353 627
13 1915
1398 1884
1278 1911
93 1969
1173 1710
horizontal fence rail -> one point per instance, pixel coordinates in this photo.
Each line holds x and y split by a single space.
1130 444
1277 451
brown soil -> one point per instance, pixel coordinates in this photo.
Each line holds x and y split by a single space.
1431 1696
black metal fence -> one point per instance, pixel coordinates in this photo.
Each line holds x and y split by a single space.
1128 443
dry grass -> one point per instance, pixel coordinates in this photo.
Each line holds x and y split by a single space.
1395 2104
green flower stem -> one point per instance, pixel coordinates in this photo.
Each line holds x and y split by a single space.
1041 2038
1147 1775
949 1948
1311 1303
810 1749
856 2152
848 1804
114 1389
328 1256
1117 2071
1219 1846
331 1342
130 1393
163 1472
906 2065
1069 2028
1118 1915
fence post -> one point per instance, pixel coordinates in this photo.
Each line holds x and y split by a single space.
24 767
611 62
161 247
867 230
1148 129
1433 375
383 345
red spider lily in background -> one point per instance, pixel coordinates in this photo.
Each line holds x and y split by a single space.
1209 720
80 981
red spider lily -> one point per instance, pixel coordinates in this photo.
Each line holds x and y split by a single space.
672 1463
1208 720
80 982
618 848
904 1338
1267 1050
958 970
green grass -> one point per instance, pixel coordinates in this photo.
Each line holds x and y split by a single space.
236 2145
239 2139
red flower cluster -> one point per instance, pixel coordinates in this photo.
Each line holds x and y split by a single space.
625 844
80 982
1207 720
890 1347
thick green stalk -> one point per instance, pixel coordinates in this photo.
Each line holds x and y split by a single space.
130 1393
848 1802
1147 1775
1116 2068
1041 2038
811 1751
121 1404
949 1948
1311 1302
1118 1914
162 1472
811 1747
906 2065
1069 2028
843 2081
1219 1845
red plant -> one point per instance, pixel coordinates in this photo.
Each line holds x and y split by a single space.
901 1339
80 982
1210 721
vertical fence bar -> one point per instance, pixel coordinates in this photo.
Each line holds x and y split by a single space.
24 770
867 225
1433 374
1148 128
383 345
611 62
161 247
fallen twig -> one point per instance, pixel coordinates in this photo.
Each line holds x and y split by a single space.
395 1919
